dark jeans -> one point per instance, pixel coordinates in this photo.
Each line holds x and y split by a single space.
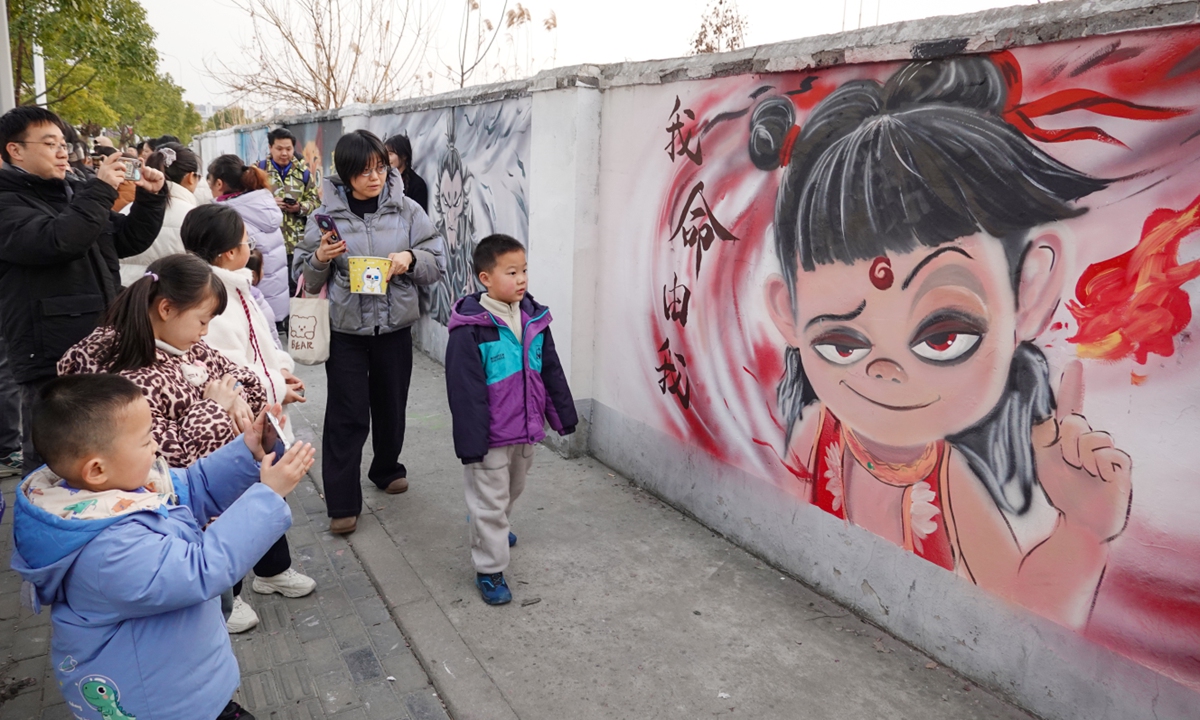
368 386
10 406
29 393
277 559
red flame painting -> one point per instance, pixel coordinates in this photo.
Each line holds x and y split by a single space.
1134 304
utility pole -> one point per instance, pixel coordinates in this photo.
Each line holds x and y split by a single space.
8 95
39 76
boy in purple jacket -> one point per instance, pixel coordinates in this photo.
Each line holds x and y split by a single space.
505 382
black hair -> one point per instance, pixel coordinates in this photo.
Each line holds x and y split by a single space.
237 175
402 147
185 161
922 160
16 122
184 279
280 133
489 250
255 263
105 150
158 142
74 416
212 229
140 146
354 152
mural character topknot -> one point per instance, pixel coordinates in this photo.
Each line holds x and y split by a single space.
456 223
921 258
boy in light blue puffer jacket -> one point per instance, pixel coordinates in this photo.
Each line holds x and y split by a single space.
114 540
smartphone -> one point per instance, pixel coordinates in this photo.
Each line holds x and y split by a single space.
289 200
327 225
278 431
133 169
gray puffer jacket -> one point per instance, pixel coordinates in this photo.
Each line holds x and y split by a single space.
399 224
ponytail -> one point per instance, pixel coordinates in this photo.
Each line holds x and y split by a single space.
236 175
183 280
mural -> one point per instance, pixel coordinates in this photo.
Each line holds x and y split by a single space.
315 143
474 161
947 301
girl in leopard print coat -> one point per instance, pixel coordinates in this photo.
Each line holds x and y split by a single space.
152 335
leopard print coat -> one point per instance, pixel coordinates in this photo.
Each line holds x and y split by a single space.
186 426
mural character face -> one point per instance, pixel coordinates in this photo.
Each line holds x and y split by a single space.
927 356
451 197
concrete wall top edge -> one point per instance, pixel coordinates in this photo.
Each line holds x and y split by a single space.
984 31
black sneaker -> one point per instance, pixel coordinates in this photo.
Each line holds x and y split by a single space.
233 711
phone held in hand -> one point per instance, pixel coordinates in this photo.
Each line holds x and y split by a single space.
327 225
133 169
278 431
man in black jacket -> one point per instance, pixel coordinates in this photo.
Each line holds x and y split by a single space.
60 244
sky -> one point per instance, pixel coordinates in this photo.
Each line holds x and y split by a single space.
191 34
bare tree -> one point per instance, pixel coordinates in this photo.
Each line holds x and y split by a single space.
322 54
476 35
722 28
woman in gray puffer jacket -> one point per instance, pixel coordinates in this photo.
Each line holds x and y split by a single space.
370 348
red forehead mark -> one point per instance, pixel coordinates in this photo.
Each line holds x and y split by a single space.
881 273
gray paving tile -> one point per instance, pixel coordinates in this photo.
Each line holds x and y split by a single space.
294 682
424 706
310 625
381 703
323 656
349 632
336 692
363 665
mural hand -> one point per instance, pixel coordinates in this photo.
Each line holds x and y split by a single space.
1083 473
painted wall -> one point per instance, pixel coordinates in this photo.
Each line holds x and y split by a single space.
474 160
810 277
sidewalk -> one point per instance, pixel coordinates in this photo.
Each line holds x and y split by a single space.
334 654
623 607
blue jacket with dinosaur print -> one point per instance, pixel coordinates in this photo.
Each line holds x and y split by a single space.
136 608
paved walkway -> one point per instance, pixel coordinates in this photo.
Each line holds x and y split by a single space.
624 608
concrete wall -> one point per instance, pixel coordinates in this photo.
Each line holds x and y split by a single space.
1056 558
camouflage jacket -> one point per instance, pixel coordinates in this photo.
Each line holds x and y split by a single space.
294 186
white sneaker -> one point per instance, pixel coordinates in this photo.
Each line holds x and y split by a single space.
288 583
242 618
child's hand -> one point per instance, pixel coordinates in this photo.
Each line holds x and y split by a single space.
223 392
1086 477
284 476
259 436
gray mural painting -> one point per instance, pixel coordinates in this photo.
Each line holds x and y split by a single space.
475 161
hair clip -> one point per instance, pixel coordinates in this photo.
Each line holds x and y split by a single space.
153 276
169 156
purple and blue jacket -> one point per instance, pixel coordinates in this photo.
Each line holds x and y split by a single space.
503 391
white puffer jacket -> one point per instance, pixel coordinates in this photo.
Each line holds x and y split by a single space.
243 334
263 219
169 241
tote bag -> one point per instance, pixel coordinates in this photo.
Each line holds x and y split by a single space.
308 328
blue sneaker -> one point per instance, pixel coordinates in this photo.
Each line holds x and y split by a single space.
512 539
493 588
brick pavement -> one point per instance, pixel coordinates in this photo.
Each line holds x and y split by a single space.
335 654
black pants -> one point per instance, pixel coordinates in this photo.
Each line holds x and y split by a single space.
368 386
277 559
29 393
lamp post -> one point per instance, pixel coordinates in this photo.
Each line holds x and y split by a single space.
8 96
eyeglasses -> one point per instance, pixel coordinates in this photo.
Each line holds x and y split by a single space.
250 243
57 147
381 170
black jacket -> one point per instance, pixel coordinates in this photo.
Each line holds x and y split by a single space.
60 244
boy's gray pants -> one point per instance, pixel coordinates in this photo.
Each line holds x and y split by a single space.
492 486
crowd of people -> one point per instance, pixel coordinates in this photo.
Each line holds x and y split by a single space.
144 388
